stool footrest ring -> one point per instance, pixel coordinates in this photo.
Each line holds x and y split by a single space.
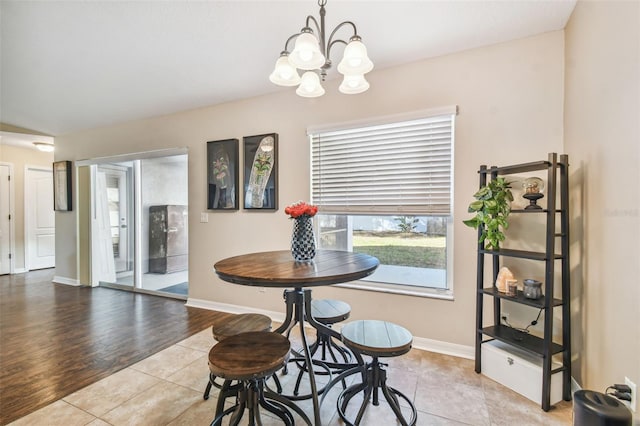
374 378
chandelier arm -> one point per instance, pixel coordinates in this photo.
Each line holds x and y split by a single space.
311 18
331 42
286 43
331 45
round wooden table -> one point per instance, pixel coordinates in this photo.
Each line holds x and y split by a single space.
279 269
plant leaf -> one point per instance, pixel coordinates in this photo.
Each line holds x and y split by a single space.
475 206
473 223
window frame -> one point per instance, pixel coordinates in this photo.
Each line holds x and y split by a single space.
403 289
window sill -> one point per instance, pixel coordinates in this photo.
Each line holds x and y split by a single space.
431 293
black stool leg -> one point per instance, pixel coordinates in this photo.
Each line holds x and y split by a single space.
208 388
237 410
285 403
251 395
275 407
241 405
312 351
365 402
376 378
346 395
274 376
252 403
389 394
327 342
222 396
227 390
343 352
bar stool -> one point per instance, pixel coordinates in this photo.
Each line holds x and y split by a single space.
249 358
236 324
327 312
376 339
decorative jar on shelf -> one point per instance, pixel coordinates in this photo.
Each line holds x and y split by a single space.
532 289
533 188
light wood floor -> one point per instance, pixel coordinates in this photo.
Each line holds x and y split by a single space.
56 339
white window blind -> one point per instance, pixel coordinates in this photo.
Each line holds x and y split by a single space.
400 167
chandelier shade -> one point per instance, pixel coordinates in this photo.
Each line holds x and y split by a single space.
311 53
355 59
284 74
310 86
353 84
306 54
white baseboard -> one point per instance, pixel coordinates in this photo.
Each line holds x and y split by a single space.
233 309
422 343
19 271
445 348
67 281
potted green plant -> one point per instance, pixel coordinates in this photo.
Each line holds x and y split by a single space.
492 207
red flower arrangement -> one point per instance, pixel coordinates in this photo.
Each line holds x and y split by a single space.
301 209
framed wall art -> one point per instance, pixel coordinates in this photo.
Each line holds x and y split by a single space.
261 172
62 186
222 174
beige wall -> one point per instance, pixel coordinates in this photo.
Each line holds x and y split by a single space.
510 100
602 137
20 158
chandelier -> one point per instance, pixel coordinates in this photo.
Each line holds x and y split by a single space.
311 54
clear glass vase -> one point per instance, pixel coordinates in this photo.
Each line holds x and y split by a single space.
303 241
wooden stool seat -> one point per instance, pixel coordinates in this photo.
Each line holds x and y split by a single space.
254 354
328 311
236 324
240 323
248 359
375 339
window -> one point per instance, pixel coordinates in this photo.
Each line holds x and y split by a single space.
384 189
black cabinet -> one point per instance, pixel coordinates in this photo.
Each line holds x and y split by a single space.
555 254
168 241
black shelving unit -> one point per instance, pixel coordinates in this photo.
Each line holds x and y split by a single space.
557 184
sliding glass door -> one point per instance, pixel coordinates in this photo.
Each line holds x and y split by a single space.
139 223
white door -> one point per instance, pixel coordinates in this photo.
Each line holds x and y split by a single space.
5 223
40 220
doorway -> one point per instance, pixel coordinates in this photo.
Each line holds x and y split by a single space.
39 219
139 224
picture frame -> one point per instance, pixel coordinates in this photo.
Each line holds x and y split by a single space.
223 167
260 172
62 186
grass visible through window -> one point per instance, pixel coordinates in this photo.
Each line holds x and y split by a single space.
402 248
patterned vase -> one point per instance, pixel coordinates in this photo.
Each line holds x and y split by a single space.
303 242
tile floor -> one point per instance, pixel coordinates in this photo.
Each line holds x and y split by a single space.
166 389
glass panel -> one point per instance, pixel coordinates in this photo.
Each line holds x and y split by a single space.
412 249
113 191
164 224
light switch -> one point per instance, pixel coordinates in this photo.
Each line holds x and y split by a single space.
204 217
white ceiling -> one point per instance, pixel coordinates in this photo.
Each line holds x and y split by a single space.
72 65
